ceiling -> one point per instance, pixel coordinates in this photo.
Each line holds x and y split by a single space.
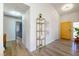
58 7
20 7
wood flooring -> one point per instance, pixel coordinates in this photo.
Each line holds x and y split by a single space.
56 48
59 48
15 49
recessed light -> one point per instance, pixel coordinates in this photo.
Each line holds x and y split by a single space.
67 7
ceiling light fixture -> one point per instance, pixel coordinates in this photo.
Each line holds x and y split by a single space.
67 7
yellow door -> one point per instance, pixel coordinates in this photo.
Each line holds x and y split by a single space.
66 30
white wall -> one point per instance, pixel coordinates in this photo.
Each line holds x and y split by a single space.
1 30
26 30
50 14
9 27
74 16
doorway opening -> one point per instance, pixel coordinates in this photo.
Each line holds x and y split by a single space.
75 25
18 31
16 27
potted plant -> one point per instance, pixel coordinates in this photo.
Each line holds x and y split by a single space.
77 35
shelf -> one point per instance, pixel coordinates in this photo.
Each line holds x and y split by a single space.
40 23
40 32
40 39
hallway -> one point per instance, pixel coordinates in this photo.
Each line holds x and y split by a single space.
41 26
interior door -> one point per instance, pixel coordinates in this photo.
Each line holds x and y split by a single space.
66 32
